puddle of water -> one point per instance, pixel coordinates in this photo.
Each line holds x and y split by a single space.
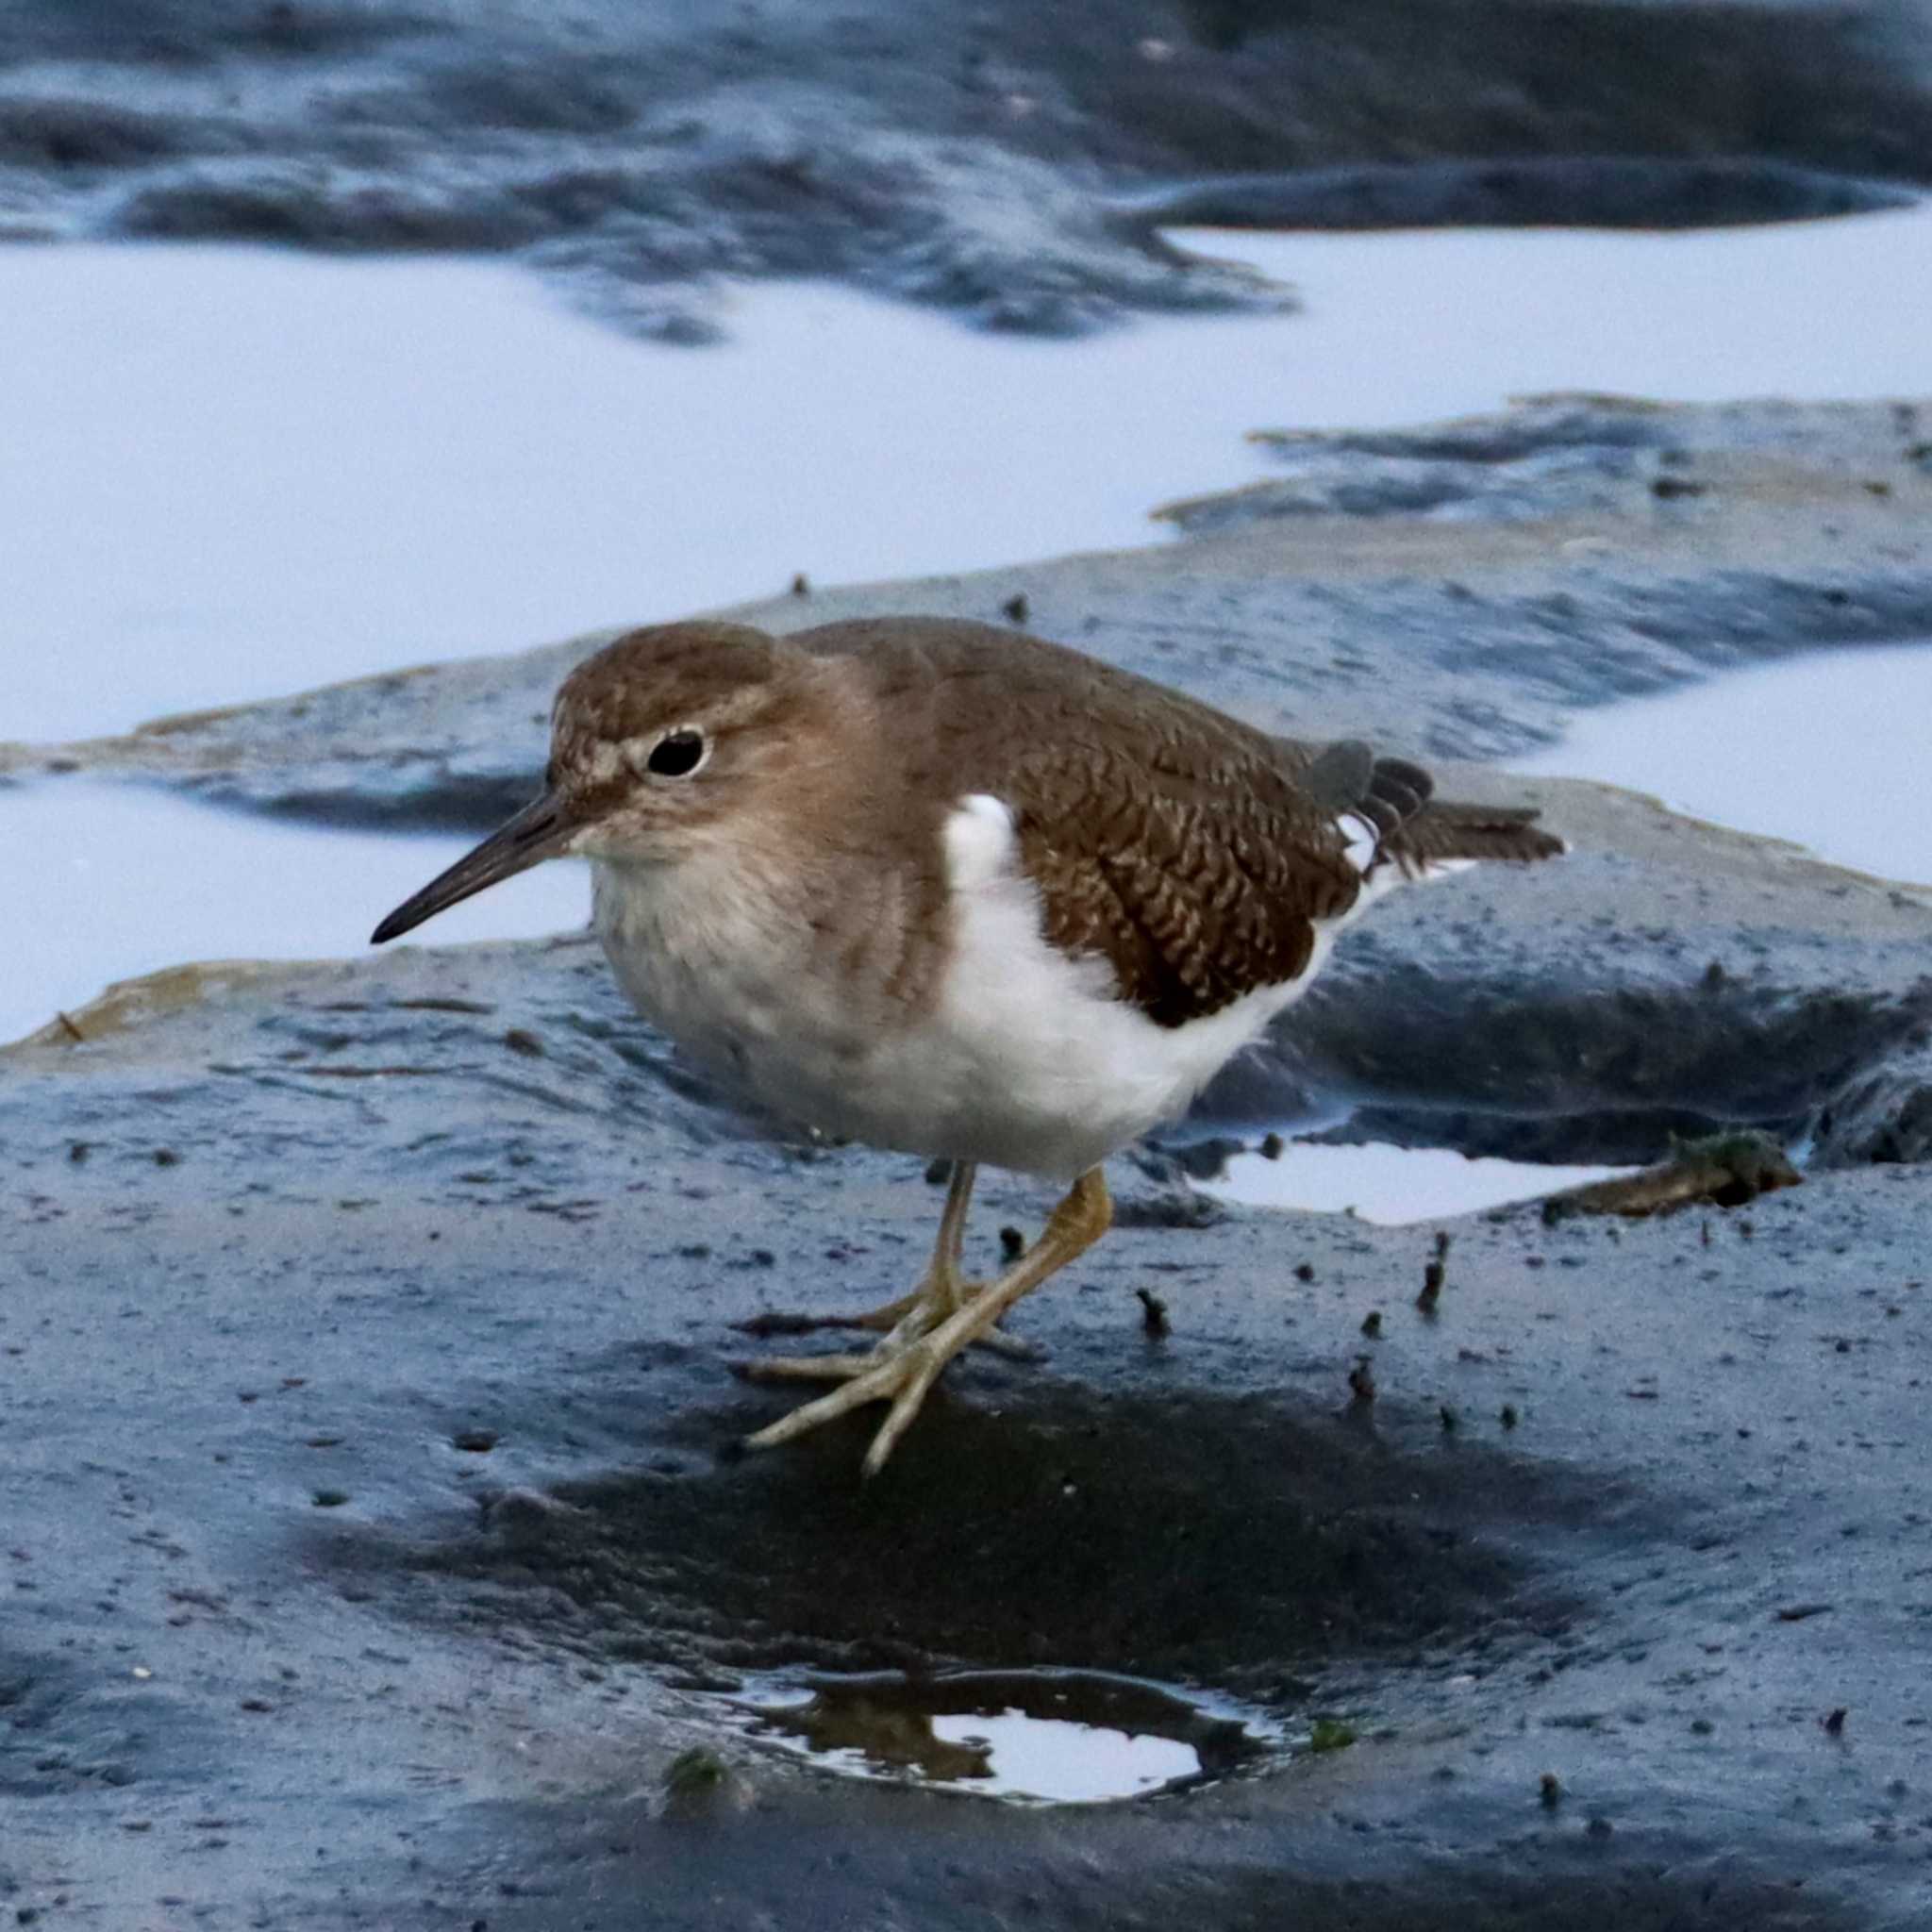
1058 1761
1393 1187
1403 327
1059 1737
107 881
1828 751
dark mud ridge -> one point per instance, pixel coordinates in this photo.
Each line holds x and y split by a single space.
1003 161
377 1548
1459 589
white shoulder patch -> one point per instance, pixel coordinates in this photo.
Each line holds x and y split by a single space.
980 841
1362 839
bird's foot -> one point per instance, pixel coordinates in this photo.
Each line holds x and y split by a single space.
945 1316
904 1321
900 1371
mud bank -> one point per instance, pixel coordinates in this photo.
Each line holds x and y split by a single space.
1459 589
1004 164
380 1312
1670 978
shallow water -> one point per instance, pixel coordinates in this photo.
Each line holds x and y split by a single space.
1828 752
1401 328
240 473
1389 1186
1045 1737
1063 1763
104 881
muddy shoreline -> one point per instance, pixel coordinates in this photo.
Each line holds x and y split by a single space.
1457 589
375 1541
280 1254
1000 163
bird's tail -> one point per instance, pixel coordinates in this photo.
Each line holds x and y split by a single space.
1442 830
1412 828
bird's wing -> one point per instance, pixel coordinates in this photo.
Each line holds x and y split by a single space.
1193 851
1196 887
1185 847
1171 840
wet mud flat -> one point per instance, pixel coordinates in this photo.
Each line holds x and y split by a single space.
1010 165
378 1544
377 1549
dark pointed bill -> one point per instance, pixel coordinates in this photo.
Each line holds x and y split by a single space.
537 832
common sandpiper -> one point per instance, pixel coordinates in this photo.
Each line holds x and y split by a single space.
958 891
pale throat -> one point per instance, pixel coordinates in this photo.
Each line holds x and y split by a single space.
719 939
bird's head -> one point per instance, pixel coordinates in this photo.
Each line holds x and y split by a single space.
666 740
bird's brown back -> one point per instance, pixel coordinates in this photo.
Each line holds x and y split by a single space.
1194 853
1185 847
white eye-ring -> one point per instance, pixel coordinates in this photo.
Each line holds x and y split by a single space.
678 754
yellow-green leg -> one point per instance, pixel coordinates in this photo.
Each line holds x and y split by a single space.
909 1360
941 1292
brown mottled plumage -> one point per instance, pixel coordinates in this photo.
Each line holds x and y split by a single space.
960 891
1191 850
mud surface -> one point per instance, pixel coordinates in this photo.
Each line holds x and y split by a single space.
1001 161
375 1538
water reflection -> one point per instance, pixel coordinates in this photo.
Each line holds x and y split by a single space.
1043 1737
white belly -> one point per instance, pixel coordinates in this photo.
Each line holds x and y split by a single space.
1025 1059
1045 1067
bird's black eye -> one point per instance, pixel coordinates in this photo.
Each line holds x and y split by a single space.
678 754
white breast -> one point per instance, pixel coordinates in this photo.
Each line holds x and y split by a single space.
713 954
